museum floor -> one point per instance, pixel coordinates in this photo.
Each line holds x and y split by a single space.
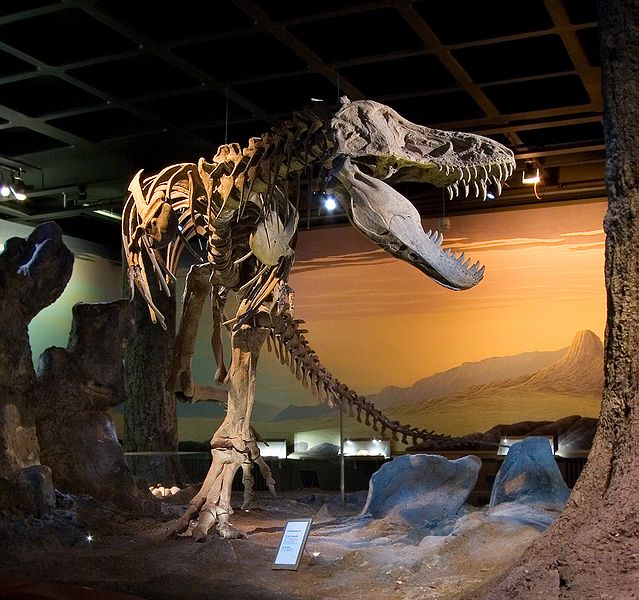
345 559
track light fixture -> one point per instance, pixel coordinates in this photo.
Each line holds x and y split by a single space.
5 190
11 184
531 174
18 188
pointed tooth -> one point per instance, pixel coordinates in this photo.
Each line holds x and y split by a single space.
466 190
455 187
502 171
460 258
484 172
474 172
465 265
467 176
497 183
449 192
460 172
440 239
476 189
480 273
447 170
483 189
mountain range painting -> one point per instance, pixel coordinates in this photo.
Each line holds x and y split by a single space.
523 345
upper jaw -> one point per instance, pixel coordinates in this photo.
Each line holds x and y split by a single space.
394 149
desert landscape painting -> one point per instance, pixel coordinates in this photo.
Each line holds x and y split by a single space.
525 344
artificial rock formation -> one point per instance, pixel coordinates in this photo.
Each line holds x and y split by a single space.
421 488
78 385
530 475
244 203
33 274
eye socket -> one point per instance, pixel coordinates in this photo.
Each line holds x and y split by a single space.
445 148
461 145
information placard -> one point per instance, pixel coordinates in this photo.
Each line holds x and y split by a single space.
289 552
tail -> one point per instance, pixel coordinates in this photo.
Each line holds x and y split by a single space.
287 340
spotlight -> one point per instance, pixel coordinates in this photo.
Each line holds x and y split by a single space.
89 538
490 195
330 204
5 190
18 188
531 175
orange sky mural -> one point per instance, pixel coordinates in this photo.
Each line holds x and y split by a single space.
376 321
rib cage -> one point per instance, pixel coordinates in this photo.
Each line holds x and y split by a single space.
287 341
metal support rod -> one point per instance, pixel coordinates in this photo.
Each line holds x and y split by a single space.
342 486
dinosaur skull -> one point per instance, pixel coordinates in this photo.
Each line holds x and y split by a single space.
375 145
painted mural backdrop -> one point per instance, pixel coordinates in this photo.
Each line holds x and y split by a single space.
525 344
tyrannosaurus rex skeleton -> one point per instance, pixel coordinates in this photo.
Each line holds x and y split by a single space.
244 204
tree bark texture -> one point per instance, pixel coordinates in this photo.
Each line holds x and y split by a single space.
150 419
592 551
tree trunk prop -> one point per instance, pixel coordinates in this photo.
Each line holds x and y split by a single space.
150 417
592 549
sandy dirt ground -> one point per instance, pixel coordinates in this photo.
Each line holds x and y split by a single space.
348 557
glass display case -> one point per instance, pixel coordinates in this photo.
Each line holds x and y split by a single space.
506 441
272 448
367 447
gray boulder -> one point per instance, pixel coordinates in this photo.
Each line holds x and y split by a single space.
530 475
421 488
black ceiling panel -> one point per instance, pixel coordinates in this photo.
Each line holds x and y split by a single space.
279 10
437 108
45 95
169 21
242 57
581 11
457 23
134 76
358 35
12 65
515 59
551 92
289 94
189 109
104 124
8 7
501 138
236 133
422 73
15 141
64 36
589 39
564 135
